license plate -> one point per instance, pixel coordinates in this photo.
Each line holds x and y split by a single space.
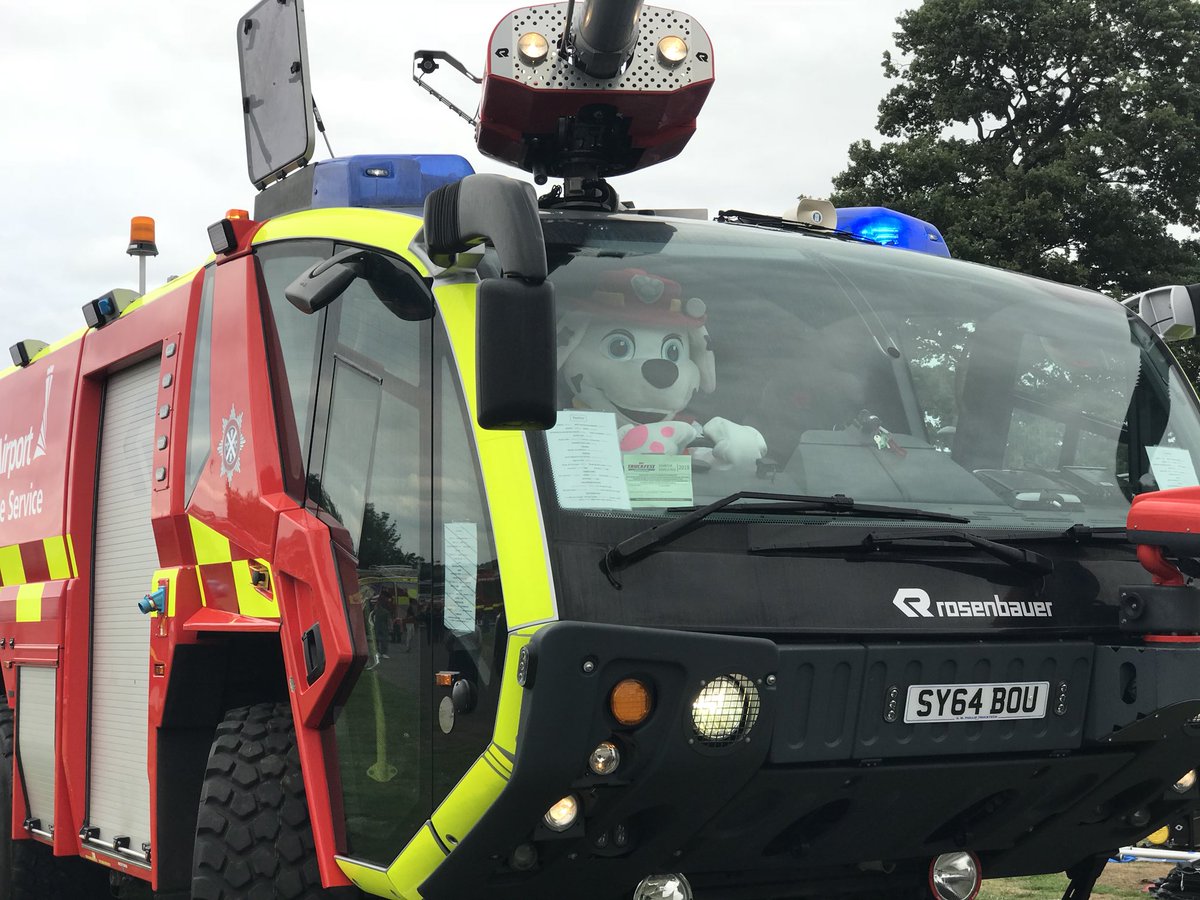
976 702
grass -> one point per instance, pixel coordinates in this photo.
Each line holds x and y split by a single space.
1119 880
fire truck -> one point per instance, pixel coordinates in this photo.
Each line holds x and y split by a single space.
436 540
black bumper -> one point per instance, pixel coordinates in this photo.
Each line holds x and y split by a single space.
829 792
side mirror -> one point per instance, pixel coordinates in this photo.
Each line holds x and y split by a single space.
1170 311
516 369
397 287
516 366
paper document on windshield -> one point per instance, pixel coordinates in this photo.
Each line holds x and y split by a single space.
658 480
586 461
462 572
1172 467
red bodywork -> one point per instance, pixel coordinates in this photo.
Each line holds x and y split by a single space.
252 511
660 122
1165 522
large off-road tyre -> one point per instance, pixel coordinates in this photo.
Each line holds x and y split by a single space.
253 836
29 870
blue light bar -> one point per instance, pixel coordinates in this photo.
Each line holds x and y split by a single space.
892 229
384 182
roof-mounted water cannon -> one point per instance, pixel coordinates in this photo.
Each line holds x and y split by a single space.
587 94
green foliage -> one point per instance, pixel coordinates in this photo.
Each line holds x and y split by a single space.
1057 137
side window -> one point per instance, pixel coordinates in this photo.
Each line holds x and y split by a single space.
294 348
370 473
467 624
199 440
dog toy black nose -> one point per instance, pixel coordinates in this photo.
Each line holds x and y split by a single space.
661 373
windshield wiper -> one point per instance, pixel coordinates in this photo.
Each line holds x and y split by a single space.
1019 558
647 541
778 223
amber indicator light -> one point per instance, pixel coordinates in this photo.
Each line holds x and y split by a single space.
630 702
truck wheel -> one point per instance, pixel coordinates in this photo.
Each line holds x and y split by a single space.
29 870
253 836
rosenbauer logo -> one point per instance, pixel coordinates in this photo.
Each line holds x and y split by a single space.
916 604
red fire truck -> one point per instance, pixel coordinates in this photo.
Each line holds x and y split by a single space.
432 539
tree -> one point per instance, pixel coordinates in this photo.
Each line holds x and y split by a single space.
1057 137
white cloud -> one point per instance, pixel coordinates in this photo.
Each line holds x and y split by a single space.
119 109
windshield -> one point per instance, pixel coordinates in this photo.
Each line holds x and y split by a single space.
698 360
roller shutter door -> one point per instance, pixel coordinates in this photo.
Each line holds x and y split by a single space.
125 560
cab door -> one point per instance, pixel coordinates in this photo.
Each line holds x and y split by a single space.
363 444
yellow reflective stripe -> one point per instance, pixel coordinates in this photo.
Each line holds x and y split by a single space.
405 875
12 570
471 797
512 500
57 345
58 560
171 576
29 602
372 227
508 709
251 602
369 879
211 546
71 553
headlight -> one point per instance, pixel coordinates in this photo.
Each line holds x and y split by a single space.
725 710
605 759
672 51
533 48
562 815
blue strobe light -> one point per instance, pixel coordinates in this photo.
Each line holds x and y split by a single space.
892 229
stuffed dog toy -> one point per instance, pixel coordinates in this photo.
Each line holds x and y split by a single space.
638 349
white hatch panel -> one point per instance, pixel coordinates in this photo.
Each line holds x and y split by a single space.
35 742
126 559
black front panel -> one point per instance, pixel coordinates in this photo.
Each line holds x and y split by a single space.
890 671
819 690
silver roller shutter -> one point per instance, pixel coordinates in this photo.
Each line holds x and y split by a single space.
126 558
35 741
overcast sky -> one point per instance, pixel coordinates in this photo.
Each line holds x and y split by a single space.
117 109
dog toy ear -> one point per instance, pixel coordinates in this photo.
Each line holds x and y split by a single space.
571 328
704 358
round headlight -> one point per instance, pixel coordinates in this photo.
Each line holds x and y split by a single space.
955 876
672 50
533 48
663 887
1186 783
725 710
605 759
562 815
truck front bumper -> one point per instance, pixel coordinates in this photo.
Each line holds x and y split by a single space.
828 791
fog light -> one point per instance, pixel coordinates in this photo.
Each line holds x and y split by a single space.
672 51
664 887
605 759
562 815
533 48
1186 783
725 710
955 876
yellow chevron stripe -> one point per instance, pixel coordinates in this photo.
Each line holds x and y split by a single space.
29 602
251 602
58 558
12 570
211 546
